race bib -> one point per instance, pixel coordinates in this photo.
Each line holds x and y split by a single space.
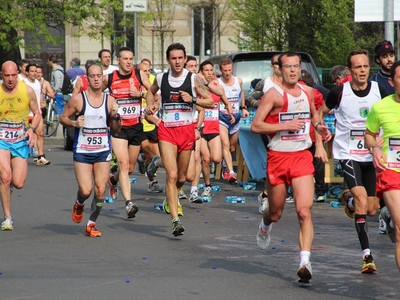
393 155
234 103
299 135
177 114
129 109
356 142
12 132
212 114
93 139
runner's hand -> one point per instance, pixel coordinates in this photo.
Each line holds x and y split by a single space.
379 159
186 97
80 122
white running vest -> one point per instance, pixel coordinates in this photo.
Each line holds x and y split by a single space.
94 136
268 84
291 141
233 94
350 124
37 88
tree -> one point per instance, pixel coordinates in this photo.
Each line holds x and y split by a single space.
263 21
36 17
325 29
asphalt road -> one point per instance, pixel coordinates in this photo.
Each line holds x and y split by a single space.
47 256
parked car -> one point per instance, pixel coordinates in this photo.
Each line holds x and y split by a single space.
251 65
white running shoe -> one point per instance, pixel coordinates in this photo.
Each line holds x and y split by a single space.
382 223
207 192
263 238
194 196
7 224
263 201
305 271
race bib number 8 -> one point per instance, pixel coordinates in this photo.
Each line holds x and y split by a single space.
179 114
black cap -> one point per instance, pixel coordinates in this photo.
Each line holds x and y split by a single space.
384 48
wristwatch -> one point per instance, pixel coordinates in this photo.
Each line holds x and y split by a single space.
206 83
33 129
198 128
243 107
117 117
194 100
372 148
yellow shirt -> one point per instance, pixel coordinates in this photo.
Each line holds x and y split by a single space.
14 111
146 125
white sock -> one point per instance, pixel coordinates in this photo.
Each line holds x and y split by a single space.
391 224
140 157
158 163
266 228
193 188
232 172
366 252
304 257
90 222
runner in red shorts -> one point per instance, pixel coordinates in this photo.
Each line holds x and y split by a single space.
176 133
286 113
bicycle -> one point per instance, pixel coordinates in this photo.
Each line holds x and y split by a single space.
52 119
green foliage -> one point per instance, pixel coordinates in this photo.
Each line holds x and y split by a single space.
325 29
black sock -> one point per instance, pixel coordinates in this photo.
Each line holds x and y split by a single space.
96 212
127 202
208 185
113 181
80 199
362 231
264 195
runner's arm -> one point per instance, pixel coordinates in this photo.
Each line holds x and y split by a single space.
205 99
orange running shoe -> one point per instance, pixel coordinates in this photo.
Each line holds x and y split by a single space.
92 231
77 213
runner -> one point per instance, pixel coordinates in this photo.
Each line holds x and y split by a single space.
16 99
92 150
176 135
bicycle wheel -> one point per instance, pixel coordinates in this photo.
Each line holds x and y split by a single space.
51 121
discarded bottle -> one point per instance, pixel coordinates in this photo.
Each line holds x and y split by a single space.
334 204
34 152
216 188
159 206
235 199
249 186
206 199
133 180
108 200
200 186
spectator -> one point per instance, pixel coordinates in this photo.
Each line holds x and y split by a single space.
56 78
75 69
339 75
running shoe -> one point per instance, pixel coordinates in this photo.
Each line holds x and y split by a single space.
263 238
194 196
382 224
42 161
166 206
141 166
131 210
177 228
263 201
181 193
232 178
152 168
212 167
289 199
305 272
7 224
180 209
385 215
368 265
225 175
92 231
350 213
113 188
154 187
77 212
320 198
207 192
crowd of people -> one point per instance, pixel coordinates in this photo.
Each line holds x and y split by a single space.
187 118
